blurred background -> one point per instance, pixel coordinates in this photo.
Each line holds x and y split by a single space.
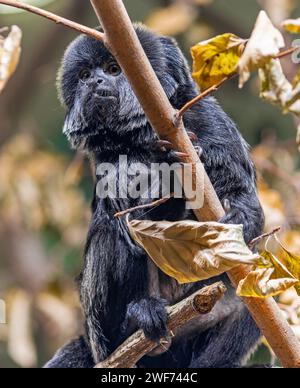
46 189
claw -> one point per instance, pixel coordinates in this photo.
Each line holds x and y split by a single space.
199 151
181 154
192 136
226 205
163 145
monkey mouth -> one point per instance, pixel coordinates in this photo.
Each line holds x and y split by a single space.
103 94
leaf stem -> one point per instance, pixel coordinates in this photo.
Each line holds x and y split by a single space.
147 206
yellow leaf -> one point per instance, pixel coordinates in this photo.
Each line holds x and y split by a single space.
296 79
265 42
216 59
280 271
292 25
10 51
261 284
292 262
190 251
270 278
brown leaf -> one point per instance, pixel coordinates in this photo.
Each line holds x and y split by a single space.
21 346
292 262
190 251
261 284
265 42
10 51
276 89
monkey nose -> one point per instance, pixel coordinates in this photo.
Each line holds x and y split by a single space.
99 81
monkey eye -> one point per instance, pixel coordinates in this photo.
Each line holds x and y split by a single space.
114 69
84 75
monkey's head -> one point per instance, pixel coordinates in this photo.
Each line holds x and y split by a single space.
100 101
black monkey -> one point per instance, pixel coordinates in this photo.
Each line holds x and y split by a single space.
120 289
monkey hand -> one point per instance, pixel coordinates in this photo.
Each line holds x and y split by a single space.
150 315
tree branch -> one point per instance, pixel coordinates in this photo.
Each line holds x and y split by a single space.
123 43
137 346
55 18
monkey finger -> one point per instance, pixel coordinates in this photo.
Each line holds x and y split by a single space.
226 205
181 155
199 151
163 145
192 136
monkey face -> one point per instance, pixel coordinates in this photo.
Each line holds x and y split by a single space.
98 97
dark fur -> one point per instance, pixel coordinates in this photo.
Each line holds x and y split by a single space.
114 287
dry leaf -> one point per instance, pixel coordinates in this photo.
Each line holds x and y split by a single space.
190 251
265 42
296 79
21 346
216 58
292 25
172 20
10 51
292 262
276 89
272 277
261 284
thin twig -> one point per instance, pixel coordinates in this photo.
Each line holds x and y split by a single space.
258 239
286 53
55 18
147 206
208 91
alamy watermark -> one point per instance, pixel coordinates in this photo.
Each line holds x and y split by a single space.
2 312
296 54
151 181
